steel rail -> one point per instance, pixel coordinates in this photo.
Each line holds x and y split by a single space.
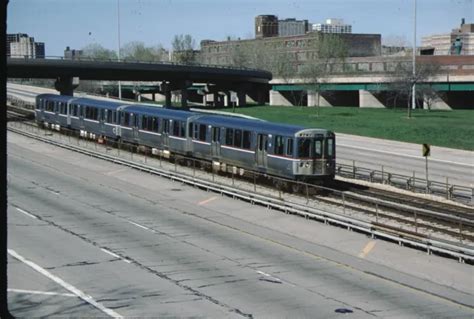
460 251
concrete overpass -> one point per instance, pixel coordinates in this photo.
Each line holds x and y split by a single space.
365 82
171 76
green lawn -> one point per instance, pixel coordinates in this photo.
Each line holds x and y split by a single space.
454 129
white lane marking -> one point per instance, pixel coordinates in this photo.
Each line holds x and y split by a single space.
110 253
36 292
66 285
54 192
268 275
115 255
141 226
403 155
26 213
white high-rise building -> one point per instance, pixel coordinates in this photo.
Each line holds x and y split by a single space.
21 45
333 26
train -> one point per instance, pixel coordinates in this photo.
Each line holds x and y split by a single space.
228 143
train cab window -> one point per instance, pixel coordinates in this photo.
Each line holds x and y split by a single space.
247 139
229 136
279 145
238 138
304 145
318 148
330 147
289 146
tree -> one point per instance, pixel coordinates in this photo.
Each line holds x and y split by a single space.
183 49
96 51
327 49
137 51
401 84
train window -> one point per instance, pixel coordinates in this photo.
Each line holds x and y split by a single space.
318 148
195 131
145 123
49 106
176 128
229 136
216 134
247 139
330 146
289 146
182 129
154 125
202 132
279 145
136 120
166 126
304 147
238 138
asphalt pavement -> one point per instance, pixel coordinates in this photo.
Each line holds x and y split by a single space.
93 239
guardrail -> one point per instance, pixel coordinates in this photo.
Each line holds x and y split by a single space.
193 176
126 60
412 183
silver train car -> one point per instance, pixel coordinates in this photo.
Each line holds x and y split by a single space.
229 143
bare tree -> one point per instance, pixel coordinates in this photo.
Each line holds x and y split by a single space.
403 80
183 49
326 50
137 51
97 51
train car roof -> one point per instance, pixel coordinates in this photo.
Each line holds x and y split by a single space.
253 125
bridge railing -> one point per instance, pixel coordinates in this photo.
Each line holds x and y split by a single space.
126 60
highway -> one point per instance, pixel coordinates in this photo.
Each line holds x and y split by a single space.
94 239
395 157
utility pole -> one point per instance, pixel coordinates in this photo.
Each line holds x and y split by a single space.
118 27
413 93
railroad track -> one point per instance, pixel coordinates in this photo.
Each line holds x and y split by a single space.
386 220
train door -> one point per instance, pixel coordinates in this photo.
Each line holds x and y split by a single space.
134 118
80 109
262 149
216 142
166 133
102 116
68 112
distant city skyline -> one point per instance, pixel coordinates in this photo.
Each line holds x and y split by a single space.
77 23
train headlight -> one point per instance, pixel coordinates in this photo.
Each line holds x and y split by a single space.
301 164
306 164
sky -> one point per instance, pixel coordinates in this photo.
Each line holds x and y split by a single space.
77 23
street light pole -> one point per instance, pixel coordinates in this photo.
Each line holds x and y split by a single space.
118 27
413 93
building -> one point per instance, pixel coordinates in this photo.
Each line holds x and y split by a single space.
21 45
290 27
459 42
300 47
72 54
333 26
266 26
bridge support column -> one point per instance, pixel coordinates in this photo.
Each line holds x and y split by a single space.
184 98
167 98
66 85
369 99
317 99
227 99
241 98
276 98
435 101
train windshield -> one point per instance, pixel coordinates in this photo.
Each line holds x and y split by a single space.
310 148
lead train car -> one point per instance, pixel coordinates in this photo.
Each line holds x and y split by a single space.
230 143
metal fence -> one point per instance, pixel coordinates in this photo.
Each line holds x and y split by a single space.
412 183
